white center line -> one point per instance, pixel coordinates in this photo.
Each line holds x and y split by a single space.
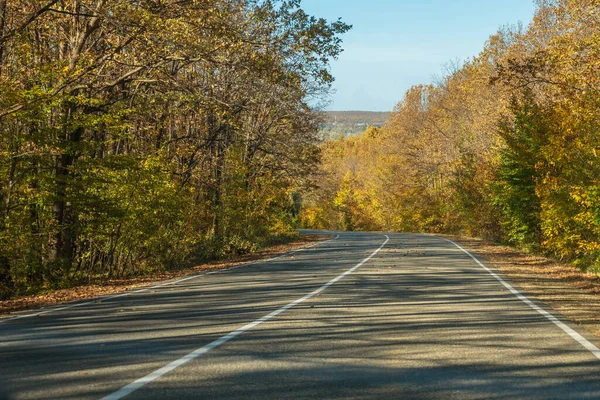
568 330
132 387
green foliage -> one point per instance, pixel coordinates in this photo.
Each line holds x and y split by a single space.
136 138
472 207
518 174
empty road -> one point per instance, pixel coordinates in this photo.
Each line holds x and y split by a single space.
363 316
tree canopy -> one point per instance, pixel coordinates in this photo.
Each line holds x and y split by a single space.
135 135
505 146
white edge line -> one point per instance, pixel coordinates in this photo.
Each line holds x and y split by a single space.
170 283
132 387
568 330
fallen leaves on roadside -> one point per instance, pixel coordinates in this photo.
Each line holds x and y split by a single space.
111 287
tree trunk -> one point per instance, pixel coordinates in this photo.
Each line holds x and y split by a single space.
64 238
2 30
217 151
36 270
10 186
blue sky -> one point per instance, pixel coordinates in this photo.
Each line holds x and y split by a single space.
396 44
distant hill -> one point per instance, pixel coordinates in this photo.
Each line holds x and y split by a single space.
351 123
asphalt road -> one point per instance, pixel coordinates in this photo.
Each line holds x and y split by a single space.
420 319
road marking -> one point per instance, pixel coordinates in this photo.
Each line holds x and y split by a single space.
132 387
569 331
170 283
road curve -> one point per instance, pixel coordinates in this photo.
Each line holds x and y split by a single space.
364 316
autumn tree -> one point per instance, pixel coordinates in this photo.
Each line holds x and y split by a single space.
504 146
138 135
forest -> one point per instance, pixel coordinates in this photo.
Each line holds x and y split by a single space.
138 136
142 135
505 147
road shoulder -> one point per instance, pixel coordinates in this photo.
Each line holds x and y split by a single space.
92 291
562 287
